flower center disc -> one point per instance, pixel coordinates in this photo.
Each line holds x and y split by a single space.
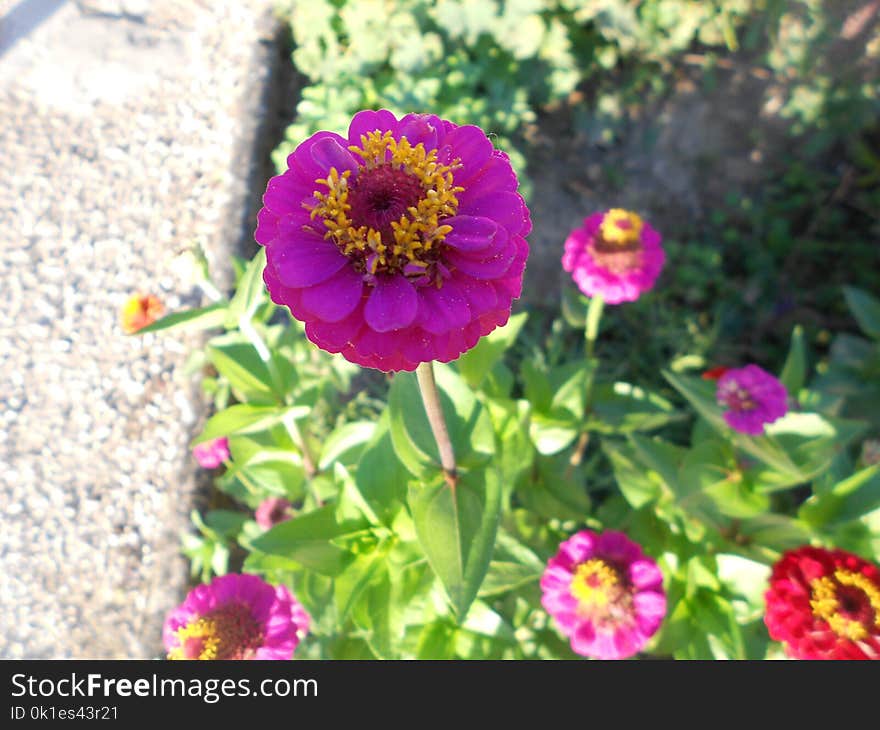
229 632
596 586
849 602
388 217
617 245
620 231
736 397
381 196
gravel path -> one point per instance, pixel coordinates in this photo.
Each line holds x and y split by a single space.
126 130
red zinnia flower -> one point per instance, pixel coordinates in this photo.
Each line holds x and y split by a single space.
824 604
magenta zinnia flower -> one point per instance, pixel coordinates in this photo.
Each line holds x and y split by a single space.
273 511
400 244
236 617
604 594
753 396
211 454
615 255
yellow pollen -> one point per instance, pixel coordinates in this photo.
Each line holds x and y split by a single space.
226 633
417 234
203 631
825 603
621 228
595 584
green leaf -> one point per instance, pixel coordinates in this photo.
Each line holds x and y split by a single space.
777 532
456 528
794 372
437 641
345 443
574 307
250 291
638 485
244 418
202 318
239 362
476 363
847 500
659 456
504 576
224 522
570 395
866 310
515 451
308 540
380 477
622 408
711 479
353 581
550 435
468 423
351 504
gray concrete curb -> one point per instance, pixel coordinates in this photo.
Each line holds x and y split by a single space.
127 131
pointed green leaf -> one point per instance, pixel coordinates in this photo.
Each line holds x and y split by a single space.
244 418
847 500
202 318
456 527
307 539
794 372
250 291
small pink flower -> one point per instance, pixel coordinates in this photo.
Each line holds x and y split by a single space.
754 398
604 594
273 511
212 454
236 617
615 255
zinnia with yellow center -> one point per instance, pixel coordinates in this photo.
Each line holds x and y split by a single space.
614 255
236 617
402 243
824 604
604 594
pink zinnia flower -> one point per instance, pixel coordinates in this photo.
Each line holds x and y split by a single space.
400 244
212 454
604 594
236 617
753 396
824 604
615 255
273 511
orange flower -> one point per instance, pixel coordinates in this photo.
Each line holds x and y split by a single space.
140 311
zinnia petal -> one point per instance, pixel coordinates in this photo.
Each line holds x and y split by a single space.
392 305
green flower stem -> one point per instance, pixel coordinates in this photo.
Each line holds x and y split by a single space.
594 316
431 399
